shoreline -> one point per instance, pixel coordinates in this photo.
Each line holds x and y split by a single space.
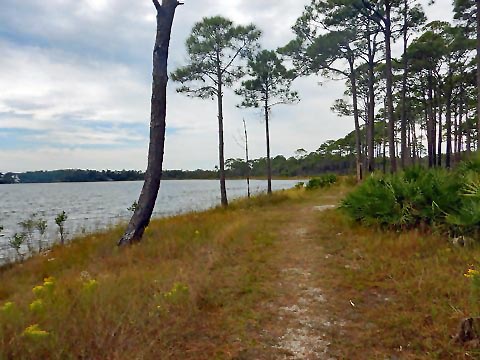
78 225
199 179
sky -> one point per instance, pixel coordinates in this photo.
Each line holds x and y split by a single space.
75 87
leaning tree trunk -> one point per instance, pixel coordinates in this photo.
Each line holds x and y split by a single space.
478 73
148 196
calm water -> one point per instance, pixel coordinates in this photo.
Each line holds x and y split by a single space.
95 206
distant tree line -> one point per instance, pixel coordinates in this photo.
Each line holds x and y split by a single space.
70 175
333 156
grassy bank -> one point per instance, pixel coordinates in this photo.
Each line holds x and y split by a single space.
189 291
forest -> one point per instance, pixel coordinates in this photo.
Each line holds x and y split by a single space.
419 107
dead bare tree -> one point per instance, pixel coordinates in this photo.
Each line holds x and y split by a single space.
148 196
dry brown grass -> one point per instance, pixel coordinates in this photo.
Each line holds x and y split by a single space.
408 290
188 291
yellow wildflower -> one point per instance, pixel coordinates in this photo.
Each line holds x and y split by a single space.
34 332
178 289
38 290
36 306
7 307
49 283
90 285
471 273
49 279
49 286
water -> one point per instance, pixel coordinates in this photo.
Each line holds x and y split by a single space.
96 206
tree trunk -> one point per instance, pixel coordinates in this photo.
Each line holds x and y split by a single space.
404 147
221 144
448 121
440 129
267 134
389 78
460 124
385 137
247 160
358 143
455 135
434 125
414 142
420 147
384 152
371 109
148 196
430 120
469 138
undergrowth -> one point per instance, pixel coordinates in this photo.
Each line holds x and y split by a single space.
321 182
445 200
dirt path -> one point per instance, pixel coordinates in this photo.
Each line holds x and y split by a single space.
304 315
300 326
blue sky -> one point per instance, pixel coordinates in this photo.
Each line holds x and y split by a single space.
75 86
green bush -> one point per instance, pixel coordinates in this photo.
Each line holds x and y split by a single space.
321 182
446 200
299 185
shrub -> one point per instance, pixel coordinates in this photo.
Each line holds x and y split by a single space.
321 182
28 227
16 242
447 200
374 202
60 221
41 226
299 185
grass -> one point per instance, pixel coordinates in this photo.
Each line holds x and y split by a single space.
189 290
197 286
408 290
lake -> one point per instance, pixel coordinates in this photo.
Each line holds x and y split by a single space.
96 206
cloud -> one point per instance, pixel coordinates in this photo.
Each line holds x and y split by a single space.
76 86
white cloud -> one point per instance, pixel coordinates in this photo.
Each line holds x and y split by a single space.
63 85
80 65
66 158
